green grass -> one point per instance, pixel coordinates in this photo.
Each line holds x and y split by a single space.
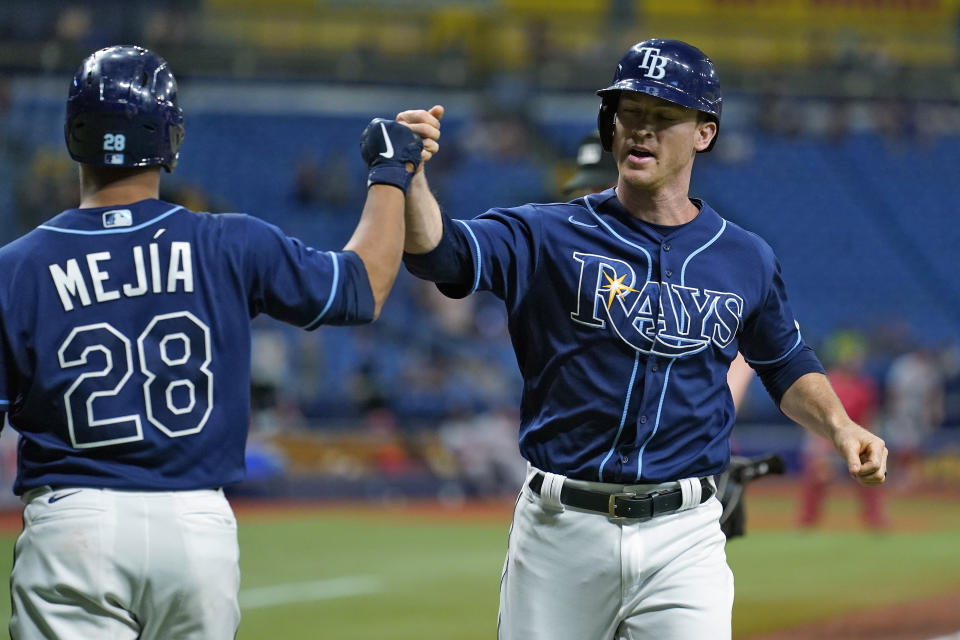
786 579
427 577
436 579
440 579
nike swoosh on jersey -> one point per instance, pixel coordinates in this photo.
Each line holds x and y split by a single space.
389 152
582 224
60 496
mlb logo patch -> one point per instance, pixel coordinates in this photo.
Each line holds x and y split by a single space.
117 218
113 158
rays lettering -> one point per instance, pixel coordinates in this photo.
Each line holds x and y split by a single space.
658 318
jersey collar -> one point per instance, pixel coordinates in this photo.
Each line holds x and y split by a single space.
113 219
707 222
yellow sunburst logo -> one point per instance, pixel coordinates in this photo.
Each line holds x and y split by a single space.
615 288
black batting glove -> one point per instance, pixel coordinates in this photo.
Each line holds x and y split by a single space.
387 147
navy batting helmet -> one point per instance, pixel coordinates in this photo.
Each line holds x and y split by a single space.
667 69
122 110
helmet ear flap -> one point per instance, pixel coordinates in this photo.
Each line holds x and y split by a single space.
608 111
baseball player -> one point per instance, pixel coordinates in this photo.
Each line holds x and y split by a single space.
596 172
125 359
625 309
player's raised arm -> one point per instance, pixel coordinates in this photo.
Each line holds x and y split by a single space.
392 153
495 251
424 222
811 402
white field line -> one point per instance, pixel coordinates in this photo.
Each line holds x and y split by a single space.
292 592
951 636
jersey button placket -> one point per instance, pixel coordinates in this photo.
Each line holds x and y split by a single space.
646 401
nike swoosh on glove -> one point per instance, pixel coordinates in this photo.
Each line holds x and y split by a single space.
387 146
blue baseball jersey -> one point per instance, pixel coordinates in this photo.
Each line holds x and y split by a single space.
125 334
624 331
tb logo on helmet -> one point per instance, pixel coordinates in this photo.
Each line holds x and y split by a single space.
653 63
690 81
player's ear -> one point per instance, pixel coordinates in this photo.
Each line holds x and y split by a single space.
706 131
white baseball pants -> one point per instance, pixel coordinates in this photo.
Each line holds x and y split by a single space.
125 565
579 575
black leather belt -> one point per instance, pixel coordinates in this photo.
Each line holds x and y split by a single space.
641 506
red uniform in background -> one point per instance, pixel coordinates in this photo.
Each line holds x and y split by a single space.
858 393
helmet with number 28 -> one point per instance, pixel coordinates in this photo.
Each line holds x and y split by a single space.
122 110
668 69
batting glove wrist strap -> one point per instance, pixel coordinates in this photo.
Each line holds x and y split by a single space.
397 176
387 147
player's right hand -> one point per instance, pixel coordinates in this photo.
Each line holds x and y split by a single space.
426 124
392 153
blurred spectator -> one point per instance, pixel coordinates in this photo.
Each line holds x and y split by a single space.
273 403
895 120
914 409
777 112
393 453
843 354
838 119
497 134
323 183
364 389
174 26
307 366
192 197
424 390
454 317
49 187
75 26
484 447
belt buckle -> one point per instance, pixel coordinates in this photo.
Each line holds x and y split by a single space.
612 504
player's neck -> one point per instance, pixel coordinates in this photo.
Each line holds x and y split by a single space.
108 187
668 207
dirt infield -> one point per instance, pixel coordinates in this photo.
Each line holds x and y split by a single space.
922 620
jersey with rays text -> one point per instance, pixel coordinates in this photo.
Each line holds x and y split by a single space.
125 334
624 331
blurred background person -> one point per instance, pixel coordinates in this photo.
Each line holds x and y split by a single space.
844 354
596 168
914 409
